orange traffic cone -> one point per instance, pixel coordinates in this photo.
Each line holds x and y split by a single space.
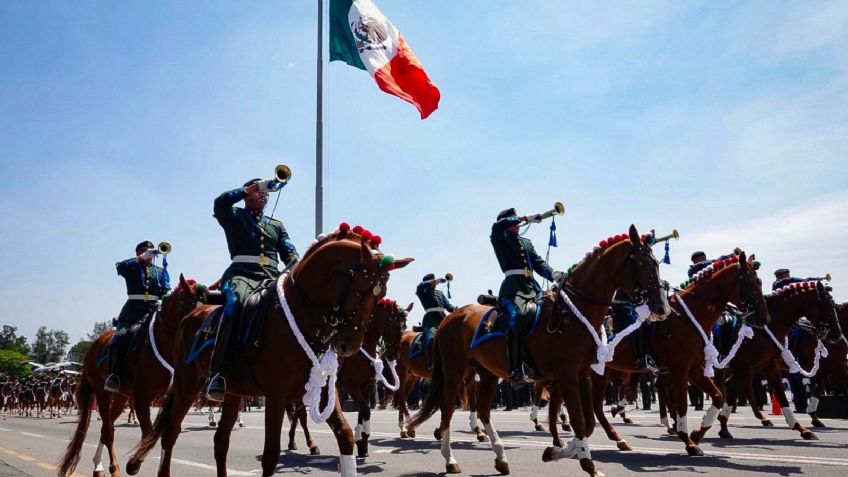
775 406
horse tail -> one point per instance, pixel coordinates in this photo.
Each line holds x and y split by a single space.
433 400
162 423
71 457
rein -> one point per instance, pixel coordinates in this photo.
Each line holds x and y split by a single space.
789 358
377 363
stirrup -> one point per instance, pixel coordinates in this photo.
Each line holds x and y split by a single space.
216 388
646 363
112 383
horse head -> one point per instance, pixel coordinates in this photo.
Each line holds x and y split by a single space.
392 319
810 299
639 276
187 296
734 280
344 275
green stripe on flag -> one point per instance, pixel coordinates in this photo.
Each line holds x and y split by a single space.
342 45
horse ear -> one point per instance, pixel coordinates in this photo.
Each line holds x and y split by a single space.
409 308
743 261
634 236
401 262
820 286
366 257
184 284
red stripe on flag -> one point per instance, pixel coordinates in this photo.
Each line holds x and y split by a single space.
404 77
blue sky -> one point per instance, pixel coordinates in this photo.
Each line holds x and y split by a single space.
121 123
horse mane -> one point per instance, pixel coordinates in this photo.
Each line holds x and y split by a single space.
344 232
793 289
708 271
599 249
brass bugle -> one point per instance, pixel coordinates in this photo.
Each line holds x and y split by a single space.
558 209
449 277
282 173
824 278
164 248
673 235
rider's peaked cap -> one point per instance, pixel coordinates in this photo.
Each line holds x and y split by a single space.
510 212
698 254
781 271
428 277
143 245
251 181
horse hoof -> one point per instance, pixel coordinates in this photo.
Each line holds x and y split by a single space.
292 446
314 451
241 424
694 451
809 436
566 427
437 434
411 433
539 428
725 434
502 466
453 469
627 420
767 423
404 435
589 466
670 431
548 455
696 437
482 438
132 468
99 473
623 445
818 424
213 424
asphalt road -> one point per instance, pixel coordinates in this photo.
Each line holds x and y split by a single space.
32 446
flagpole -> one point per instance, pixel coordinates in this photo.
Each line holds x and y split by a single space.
319 128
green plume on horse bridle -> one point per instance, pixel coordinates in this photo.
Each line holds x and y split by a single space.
386 261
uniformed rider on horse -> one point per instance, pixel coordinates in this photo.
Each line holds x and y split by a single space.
783 277
147 283
254 242
436 306
519 290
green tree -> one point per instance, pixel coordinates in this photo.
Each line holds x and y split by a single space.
79 350
49 346
100 327
9 339
14 364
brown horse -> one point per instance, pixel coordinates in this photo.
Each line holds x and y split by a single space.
357 374
678 343
833 366
760 353
150 380
542 396
322 307
563 347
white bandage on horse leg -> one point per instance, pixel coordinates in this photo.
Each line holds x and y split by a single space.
497 444
682 424
534 412
357 433
446 448
622 402
813 405
726 410
790 417
472 420
710 416
664 421
366 427
98 458
583 449
347 465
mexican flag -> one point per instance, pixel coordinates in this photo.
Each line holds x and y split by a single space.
361 36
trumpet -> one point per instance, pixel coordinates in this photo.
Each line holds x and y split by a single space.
282 173
449 277
825 278
164 248
559 209
673 235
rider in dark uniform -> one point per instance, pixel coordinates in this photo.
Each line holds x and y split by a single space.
517 295
147 283
624 315
254 242
436 306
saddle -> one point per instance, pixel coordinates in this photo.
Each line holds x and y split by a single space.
128 342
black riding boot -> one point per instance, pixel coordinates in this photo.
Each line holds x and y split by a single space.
216 387
517 376
113 382
644 361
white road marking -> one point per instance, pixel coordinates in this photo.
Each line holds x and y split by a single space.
5 430
208 467
31 434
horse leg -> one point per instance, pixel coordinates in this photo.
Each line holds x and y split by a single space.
212 422
774 379
538 390
679 387
452 381
273 424
599 387
311 444
229 413
486 390
473 406
717 403
290 412
344 438
141 406
108 438
664 398
563 416
179 408
554 403
363 423
752 403
403 409
569 389
816 392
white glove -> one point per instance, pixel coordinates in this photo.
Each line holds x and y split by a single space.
148 254
269 186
